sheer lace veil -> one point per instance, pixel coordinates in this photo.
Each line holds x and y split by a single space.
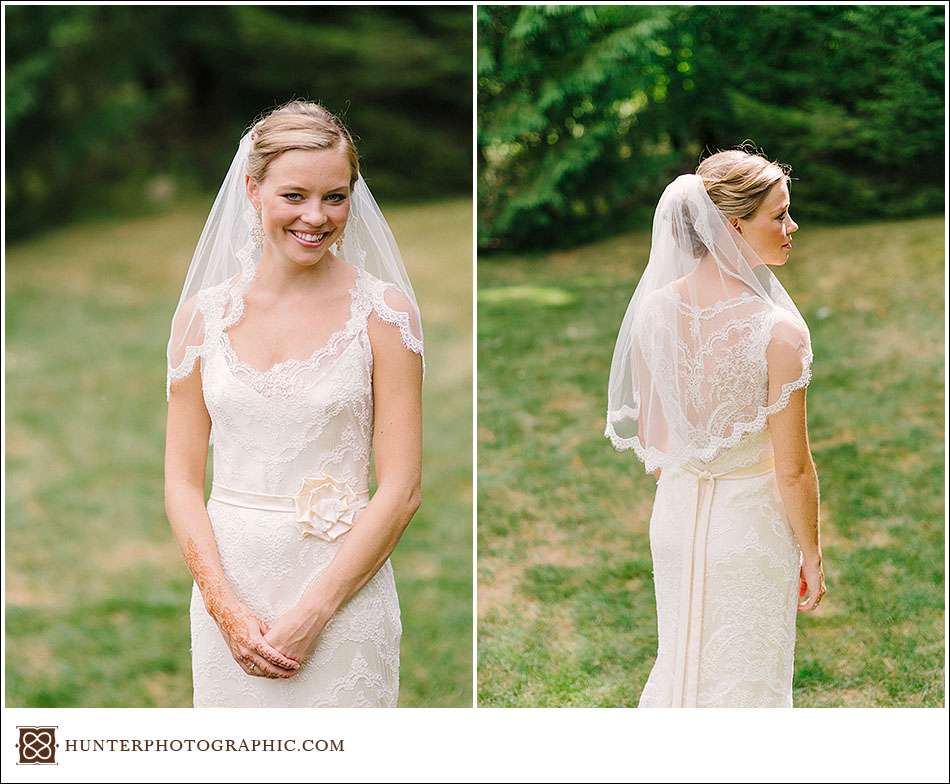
706 320
226 251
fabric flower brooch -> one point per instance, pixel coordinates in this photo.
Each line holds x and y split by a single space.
326 507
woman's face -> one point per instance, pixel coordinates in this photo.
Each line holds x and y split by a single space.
770 229
304 202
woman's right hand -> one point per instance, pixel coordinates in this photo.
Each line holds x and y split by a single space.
244 634
811 581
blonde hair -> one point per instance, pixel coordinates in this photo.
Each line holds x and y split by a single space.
298 125
738 180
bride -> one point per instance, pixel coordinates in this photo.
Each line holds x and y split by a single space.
708 385
296 350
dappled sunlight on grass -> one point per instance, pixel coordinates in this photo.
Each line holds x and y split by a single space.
532 295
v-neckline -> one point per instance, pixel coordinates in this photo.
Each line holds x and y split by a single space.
292 362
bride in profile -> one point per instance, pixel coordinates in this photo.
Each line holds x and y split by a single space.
296 349
707 386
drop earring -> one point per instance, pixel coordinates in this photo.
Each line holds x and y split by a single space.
257 231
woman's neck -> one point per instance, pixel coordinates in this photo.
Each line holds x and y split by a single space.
710 279
282 275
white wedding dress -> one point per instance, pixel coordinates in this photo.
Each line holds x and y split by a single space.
271 430
725 560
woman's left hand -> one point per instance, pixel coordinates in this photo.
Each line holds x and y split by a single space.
295 633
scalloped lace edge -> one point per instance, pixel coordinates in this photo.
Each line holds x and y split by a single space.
235 290
653 458
398 319
296 365
717 307
183 370
401 321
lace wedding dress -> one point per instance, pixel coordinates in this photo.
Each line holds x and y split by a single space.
291 459
725 560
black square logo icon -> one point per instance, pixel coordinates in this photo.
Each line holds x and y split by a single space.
37 745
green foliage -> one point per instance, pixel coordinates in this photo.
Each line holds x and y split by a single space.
567 612
586 112
113 108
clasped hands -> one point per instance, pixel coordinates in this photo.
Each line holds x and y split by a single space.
270 651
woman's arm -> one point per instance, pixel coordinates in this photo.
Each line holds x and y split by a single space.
397 446
795 472
796 475
186 452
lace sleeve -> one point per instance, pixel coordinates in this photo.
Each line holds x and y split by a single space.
393 307
187 337
789 358
192 327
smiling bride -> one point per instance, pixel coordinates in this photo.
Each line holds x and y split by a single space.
296 351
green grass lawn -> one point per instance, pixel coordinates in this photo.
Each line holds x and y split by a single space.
565 594
97 592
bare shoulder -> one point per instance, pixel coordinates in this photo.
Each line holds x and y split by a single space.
394 298
788 427
788 329
788 350
397 370
788 355
387 339
386 295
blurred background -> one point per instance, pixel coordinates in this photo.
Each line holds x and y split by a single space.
120 124
585 114
128 107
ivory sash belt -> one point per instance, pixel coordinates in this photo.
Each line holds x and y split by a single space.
689 640
267 503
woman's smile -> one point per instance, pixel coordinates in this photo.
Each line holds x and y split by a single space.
308 239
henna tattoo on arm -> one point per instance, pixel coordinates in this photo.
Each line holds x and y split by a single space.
223 605
216 594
